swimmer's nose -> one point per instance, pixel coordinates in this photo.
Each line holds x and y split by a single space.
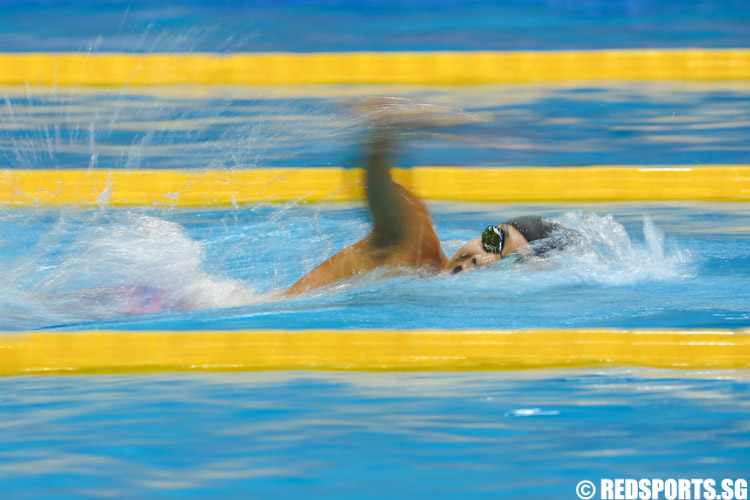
465 265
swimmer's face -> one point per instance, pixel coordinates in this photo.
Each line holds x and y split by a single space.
471 255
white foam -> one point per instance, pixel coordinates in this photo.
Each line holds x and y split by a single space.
138 264
601 251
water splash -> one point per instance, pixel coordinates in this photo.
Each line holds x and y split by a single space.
123 264
164 127
601 251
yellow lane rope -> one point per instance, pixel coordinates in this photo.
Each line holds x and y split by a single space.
92 352
193 188
421 68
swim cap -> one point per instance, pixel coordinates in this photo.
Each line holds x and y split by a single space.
533 228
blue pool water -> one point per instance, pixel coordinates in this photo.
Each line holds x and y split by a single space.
345 25
288 435
346 435
643 266
665 123
284 435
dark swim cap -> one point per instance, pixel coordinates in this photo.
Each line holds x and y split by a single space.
533 228
493 239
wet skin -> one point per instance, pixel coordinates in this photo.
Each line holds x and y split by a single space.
473 254
418 248
402 236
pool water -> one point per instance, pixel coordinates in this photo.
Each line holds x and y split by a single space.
367 436
363 435
640 266
347 435
661 123
369 25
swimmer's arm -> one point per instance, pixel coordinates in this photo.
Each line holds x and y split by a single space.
392 207
351 261
390 211
402 230
402 233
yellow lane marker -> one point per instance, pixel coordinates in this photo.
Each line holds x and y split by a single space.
92 352
420 68
209 188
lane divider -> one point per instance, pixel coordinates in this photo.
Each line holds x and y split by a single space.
98 352
420 68
221 188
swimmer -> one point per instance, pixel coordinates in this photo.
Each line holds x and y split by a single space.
402 234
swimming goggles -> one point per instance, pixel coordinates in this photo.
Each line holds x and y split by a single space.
493 239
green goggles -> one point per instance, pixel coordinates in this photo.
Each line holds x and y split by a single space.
493 239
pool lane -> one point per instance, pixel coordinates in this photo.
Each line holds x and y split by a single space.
358 68
226 188
123 352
